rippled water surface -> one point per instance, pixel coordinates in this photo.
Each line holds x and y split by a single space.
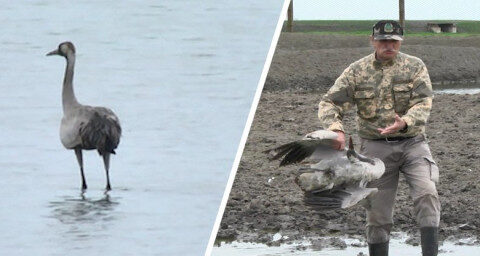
181 77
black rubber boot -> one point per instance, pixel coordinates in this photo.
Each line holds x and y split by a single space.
380 249
429 240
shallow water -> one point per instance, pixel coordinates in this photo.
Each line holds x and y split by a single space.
459 91
461 88
180 75
397 247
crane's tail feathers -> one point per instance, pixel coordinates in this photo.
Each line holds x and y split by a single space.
102 132
338 198
323 200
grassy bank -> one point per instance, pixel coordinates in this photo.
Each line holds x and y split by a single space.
364 27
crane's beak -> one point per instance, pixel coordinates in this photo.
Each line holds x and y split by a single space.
54 52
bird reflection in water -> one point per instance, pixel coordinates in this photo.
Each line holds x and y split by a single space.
78 212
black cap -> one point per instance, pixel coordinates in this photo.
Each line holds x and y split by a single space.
387 30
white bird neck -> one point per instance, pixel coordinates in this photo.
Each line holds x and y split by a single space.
68 96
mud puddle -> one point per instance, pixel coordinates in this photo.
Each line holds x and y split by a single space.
457 88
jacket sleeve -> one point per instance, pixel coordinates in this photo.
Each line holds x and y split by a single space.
420 101
336 101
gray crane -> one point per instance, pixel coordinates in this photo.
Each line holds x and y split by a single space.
85 127
333 178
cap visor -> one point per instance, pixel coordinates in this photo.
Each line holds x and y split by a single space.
388 37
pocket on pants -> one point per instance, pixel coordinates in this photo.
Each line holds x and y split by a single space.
434 172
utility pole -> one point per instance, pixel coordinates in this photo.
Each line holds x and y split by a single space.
290 17
401 5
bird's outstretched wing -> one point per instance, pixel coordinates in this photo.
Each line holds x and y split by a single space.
317 145
340 197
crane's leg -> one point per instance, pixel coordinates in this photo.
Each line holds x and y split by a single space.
106 162
78 153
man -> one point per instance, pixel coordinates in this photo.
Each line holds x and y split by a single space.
393 95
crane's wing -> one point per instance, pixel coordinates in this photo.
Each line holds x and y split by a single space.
340 197
316 145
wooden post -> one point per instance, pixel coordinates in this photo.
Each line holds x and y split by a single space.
401 5
290 17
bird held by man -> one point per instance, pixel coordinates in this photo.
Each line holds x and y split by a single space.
85 127
333 178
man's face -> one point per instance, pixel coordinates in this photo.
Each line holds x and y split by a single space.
386 49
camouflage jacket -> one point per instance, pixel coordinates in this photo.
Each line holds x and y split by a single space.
380 90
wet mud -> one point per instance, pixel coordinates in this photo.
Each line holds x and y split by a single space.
265 200
313 62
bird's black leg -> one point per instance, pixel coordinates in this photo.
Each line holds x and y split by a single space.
106 162
78 153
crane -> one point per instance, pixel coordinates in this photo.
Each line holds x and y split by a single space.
85 127
332 178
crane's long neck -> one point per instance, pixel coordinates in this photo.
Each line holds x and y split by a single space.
68 96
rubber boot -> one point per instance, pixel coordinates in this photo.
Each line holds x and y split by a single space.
429 240
380 249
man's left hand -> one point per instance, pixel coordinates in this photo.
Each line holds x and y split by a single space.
395 127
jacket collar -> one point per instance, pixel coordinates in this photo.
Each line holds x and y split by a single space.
381 64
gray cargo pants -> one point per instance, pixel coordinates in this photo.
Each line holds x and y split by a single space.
412 157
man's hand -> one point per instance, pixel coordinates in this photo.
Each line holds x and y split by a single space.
339 142
395 127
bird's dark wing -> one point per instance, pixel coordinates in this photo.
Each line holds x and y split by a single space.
339 197
297 151
317 145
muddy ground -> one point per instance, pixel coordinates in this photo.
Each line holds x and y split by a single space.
313 62
265 199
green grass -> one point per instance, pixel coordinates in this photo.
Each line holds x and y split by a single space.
355 33
364 27
472 27
365 23
442 34
367 33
